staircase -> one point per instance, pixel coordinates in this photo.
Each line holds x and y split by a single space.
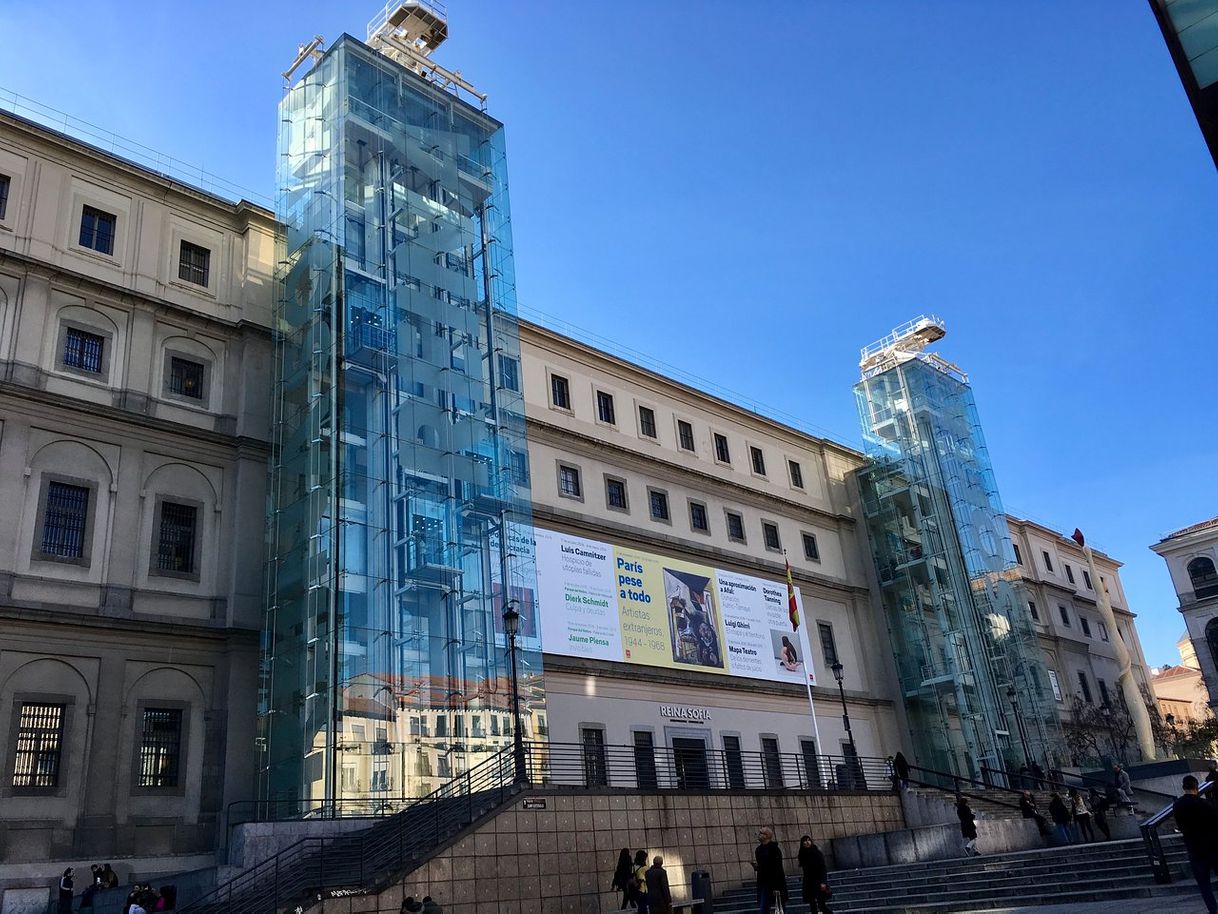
1105 871
359 863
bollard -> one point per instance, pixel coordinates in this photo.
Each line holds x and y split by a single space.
700 887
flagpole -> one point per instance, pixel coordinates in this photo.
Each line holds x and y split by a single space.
794 605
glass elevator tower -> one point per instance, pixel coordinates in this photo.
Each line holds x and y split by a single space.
976 694
399 520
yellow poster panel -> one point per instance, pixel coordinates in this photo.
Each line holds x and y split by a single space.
670 612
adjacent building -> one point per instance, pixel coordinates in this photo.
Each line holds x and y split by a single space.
1179 689
1190 28
1191 554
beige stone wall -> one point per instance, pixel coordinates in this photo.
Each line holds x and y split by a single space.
561 859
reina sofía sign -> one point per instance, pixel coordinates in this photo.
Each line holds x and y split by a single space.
685 712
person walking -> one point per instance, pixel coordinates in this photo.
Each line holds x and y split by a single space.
816 891
659 895
900 765
639 883
1197 821
771 877
1100 804
1060 816
65 892
623 878
1120 780
1210 777
1029 810
1082 816
968 826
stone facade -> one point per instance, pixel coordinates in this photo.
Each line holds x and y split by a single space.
1191 555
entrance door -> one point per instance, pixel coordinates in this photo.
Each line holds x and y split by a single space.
689 760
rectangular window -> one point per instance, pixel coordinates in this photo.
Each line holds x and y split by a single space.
97 230
807 749
160 747
1103 631
39 746
1085 686
604 408
1087 580
176 542
596 773
771 761
1069 572
647 422
659 505
1086 626
645 760
733 761
194 264
185 378
735 527
83 351
828 646
1018 554
797 474
65 520
4 185
615 494
1032 610
758 459
697 516
685 435
1055 685
519 467
1048 561
1103 692
509 372
1065 615
770 535
811 549
560 392
568 482
722 454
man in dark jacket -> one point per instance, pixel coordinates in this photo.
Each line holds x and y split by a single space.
1027 806
771 877
658 892
1197 821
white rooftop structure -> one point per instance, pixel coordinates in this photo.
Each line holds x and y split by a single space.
908 341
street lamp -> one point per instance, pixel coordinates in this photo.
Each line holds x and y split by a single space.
1013 698
511 624
836 666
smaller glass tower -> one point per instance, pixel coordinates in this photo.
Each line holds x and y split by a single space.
975 692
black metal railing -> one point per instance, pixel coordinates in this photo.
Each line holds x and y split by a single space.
1159 865
961 786
1067 780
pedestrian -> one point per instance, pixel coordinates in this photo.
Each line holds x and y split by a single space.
411 905
639 882
659 895
900 765
1039 774
1024 777
1100 804
1120 780
771 877
1197 821
1082 815
968 826
622 878
1060 816
109 878
65 892
430 906
816 891
1029 809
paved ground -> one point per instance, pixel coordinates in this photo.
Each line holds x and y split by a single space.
1181 904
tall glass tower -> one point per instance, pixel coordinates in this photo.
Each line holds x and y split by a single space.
976 694
399 516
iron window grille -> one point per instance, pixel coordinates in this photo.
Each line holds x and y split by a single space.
647 421
685 435
722 453
65 520
604 408
697 516
83 350
758 460
39 746
160 747
176 543
770 532
194 264
797 474
4 185
568 481
519 467
615 493
659 505
97 230
735 527
185 378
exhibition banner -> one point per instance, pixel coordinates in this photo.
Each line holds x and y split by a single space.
607 602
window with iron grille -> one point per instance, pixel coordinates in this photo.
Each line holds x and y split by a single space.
39 746
797 474
185 378
615 494
4 185
83 350
176 543
647 422
758 460
519 467
697 516
160 747
97 230
735 527
568 482
685 435
722 453
194 264
659 505
770 533
604 408
65 520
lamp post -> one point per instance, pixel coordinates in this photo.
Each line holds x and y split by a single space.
837 674
1013 698
511 624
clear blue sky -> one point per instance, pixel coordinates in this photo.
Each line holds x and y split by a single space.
752 191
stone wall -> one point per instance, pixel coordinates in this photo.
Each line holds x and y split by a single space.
560 859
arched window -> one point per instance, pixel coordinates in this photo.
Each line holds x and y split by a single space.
1204 578
1211 639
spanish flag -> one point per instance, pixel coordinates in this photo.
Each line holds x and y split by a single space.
792 607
